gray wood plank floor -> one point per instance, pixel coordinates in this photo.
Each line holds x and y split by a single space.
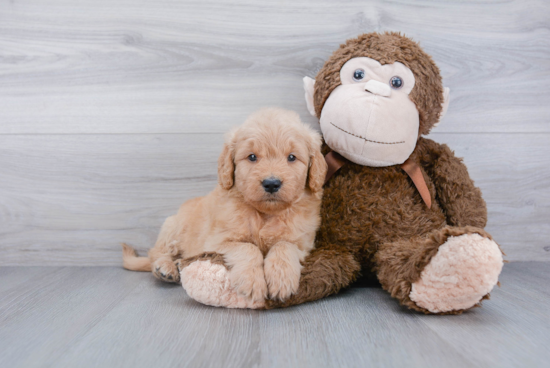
109 317
112 112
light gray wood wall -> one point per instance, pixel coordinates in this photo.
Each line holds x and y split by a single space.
112 112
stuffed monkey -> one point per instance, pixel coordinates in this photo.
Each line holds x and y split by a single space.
396 204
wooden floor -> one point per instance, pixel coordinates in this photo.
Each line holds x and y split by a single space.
109 317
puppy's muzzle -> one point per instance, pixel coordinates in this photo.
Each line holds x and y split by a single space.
271 185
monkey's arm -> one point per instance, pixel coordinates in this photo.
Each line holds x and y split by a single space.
456 193
325 272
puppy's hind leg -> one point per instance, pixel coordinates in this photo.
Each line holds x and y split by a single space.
166 270
165 252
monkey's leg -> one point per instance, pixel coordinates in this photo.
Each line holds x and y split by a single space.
446 272
325 272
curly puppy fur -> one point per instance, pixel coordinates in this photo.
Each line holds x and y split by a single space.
241 219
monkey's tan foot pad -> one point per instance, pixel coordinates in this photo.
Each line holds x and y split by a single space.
461 274
205 278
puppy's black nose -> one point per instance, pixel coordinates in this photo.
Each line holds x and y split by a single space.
271 185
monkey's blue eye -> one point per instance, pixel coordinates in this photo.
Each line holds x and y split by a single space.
291 158
358 74
252 157
396 82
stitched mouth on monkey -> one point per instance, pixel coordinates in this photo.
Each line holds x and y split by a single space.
369 130
363 138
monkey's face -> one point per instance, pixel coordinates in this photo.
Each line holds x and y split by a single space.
369 118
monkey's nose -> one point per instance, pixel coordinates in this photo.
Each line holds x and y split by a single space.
378 88
271 185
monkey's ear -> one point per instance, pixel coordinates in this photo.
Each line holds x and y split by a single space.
309 89
444 105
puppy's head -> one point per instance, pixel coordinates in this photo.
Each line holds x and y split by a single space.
272 160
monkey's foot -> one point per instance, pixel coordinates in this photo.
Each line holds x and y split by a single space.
461 274
205 278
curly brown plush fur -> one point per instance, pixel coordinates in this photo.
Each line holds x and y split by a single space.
374 220
213 257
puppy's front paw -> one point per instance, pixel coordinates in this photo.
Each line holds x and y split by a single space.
166 270
249 282
282 275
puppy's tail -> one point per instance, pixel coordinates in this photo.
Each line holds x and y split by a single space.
132 262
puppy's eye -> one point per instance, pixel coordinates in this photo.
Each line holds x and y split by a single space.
252 157
358 75
291 158
396 82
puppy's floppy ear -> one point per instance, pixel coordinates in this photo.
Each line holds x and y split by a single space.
226 166
317 167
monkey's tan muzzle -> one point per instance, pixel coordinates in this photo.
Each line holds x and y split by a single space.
378 88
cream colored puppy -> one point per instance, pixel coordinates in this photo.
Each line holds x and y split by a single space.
262 216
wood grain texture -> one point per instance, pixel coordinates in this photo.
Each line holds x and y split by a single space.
358 328
71 199
109 317
112 112
200 66
54 308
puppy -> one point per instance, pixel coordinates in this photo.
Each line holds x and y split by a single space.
262 216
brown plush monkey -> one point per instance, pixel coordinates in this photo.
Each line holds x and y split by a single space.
401 206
